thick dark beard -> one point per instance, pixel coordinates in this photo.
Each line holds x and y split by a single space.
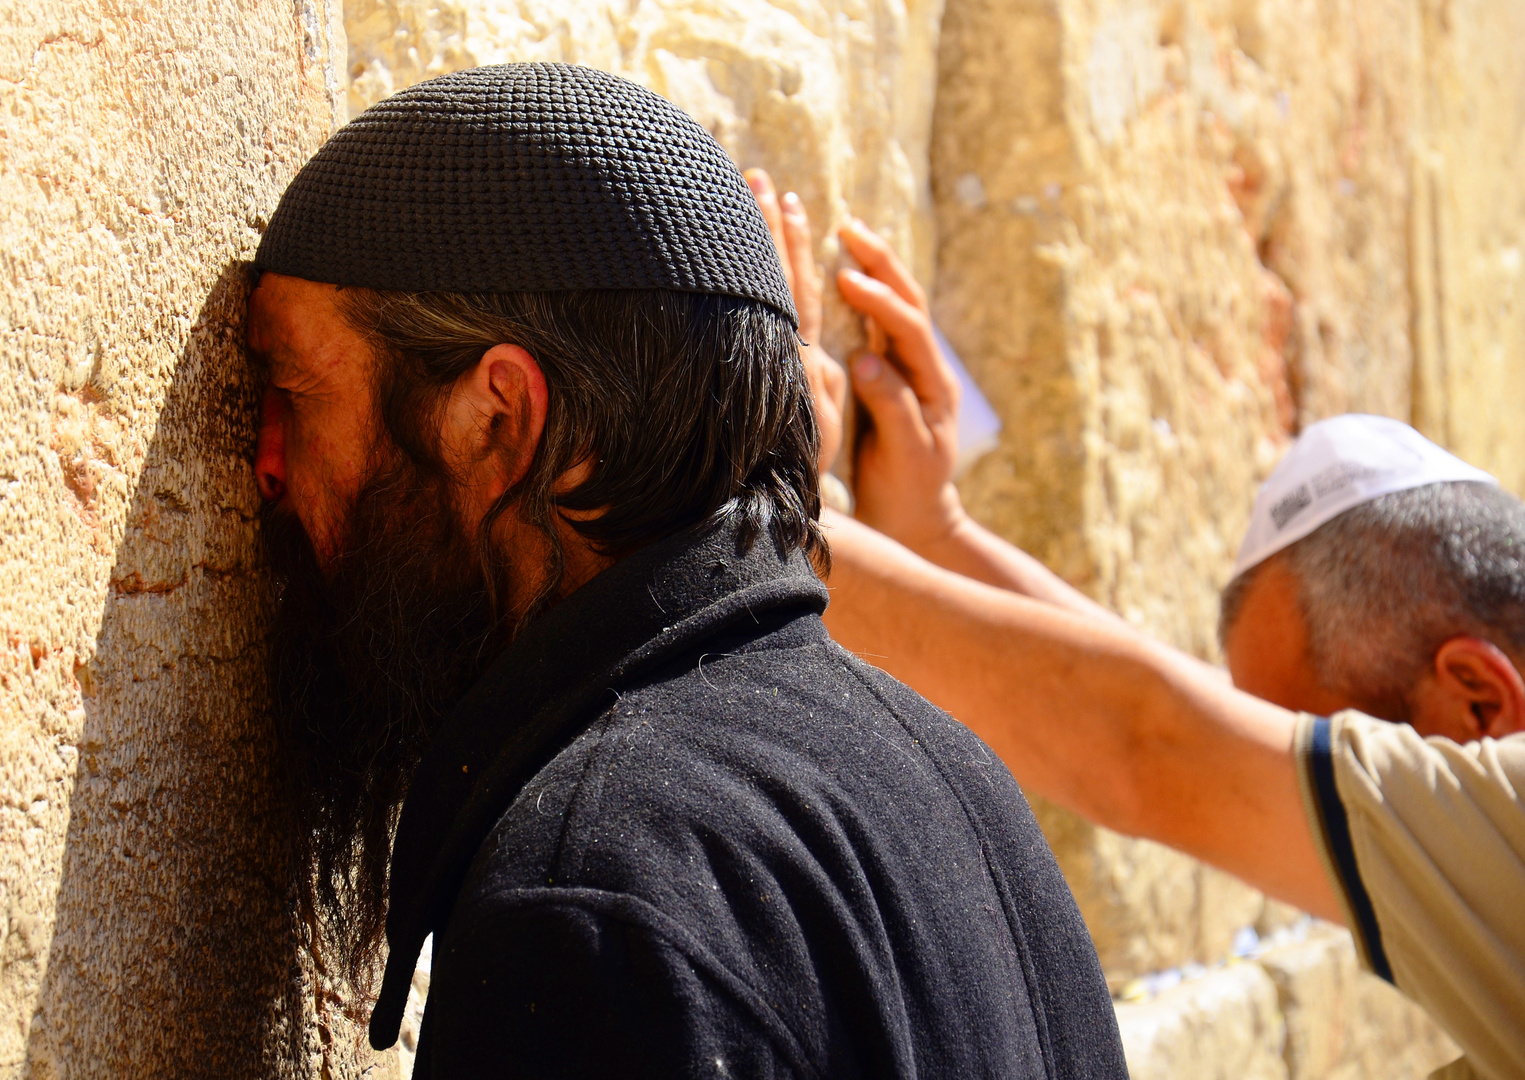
367 656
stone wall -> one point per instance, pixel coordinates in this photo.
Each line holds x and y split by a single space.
144 922
1201 247
1162 233
1467 249
1300 1010
834 97
1199 215
1169 234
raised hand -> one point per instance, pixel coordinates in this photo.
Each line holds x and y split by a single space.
908 447
791 235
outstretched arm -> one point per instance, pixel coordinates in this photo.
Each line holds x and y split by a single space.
1085 710
1130 733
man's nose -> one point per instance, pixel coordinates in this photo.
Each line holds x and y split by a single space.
270 449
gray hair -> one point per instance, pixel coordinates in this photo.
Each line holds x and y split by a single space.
1383 585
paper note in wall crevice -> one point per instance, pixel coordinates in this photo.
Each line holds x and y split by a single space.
979 428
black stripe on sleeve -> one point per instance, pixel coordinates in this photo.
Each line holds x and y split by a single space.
1337 830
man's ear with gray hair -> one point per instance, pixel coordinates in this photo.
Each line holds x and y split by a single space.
1472 690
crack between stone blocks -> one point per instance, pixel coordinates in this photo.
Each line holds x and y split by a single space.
133 584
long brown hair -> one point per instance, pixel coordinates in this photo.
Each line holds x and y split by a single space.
691 409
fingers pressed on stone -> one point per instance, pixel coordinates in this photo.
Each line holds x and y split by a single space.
875 255
767 201
807 278
909 331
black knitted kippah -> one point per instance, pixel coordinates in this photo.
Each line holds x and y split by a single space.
525 177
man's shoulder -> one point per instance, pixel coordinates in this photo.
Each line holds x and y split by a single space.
808 828
797 690
794 717
778 749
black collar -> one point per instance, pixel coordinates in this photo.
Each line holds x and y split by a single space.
537 697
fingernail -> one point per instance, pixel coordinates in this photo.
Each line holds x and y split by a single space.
853 275
757 180
868 367
792 201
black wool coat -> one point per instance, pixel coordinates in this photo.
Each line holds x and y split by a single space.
676 831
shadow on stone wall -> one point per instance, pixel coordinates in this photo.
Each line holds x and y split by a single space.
175 952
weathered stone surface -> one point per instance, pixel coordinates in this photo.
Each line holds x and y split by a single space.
1303 1011
1097 274
1344 1024
1149 907
1169 234
834 97
146 929
1225 1026
1467 255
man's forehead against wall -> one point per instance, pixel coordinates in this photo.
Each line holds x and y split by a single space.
1369 550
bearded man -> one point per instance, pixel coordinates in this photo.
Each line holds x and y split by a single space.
541 478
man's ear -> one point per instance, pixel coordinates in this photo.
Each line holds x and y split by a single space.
495 418
1480 687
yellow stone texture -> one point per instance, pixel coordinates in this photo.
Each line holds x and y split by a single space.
1163 233
1345 1024
144 921
1468 247
1167 233
833 97
1301 1011
1147 907
1224 1026
1170 232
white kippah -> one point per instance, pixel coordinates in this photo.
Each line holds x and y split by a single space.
1336 464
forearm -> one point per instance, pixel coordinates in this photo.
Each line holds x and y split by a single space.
1066 700
1089 713
972 550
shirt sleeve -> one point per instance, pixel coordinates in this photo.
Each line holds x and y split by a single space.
565 989
1425 842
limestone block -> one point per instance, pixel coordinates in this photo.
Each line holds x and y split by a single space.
1302 1010
1225 1026
834 97
1345 1024
1324 146
1467 256
1169 233
145 924
1148 907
